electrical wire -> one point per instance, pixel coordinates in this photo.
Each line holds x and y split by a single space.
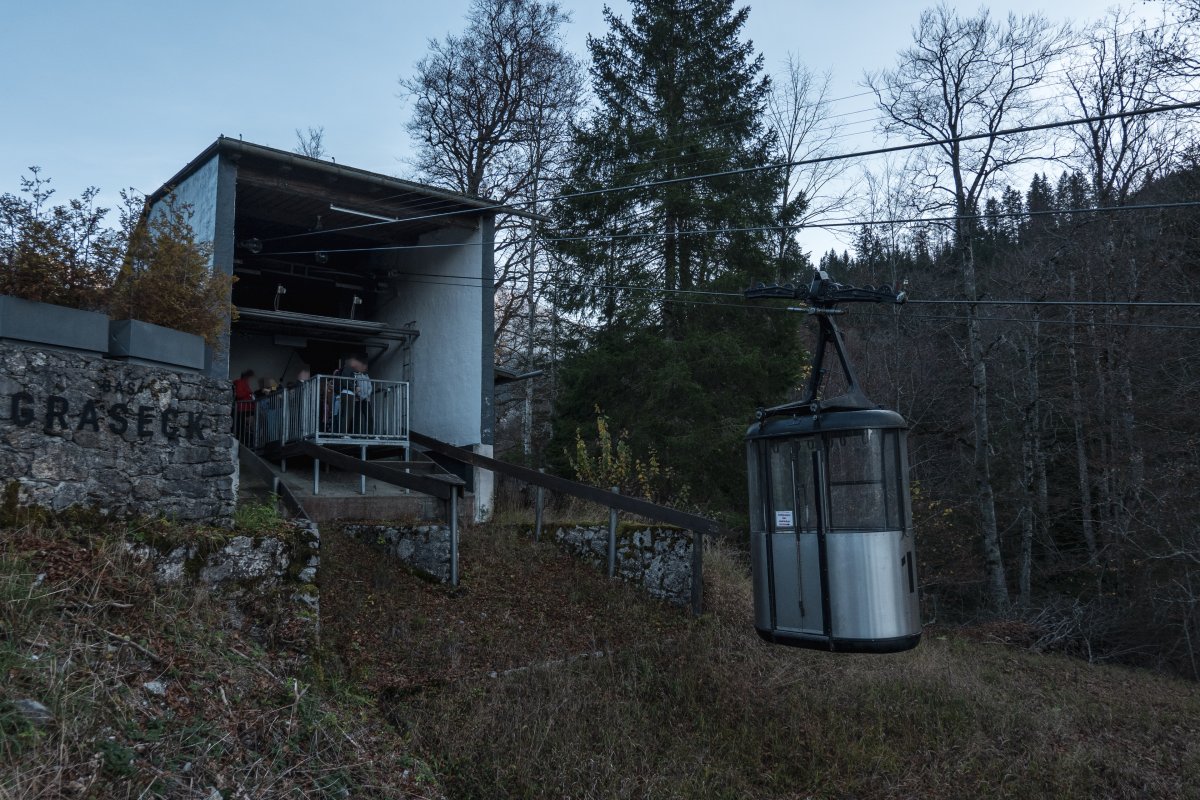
908 146
1021 302
771 228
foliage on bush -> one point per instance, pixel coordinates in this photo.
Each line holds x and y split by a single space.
613 464
61 254
150 267
166 278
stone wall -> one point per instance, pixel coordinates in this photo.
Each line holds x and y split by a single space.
425 548
77 429
246 569
657 559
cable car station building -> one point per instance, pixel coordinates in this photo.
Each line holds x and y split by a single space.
333 262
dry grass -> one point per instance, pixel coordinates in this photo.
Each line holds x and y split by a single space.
518 604
710 711
674 707
84 628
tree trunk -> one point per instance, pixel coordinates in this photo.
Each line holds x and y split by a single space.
1030 449
985 496
1083 470
531 324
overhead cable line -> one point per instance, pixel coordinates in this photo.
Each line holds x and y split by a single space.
793 163
1044 321
949 318
909 146
790 107
1022 302
835 223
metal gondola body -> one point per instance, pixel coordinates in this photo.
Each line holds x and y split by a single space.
831 539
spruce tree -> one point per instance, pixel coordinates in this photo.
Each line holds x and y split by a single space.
679 94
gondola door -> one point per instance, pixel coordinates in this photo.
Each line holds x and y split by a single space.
794 533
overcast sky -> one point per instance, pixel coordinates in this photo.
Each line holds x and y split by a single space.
125 92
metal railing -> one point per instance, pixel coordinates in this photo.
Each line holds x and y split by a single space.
326 409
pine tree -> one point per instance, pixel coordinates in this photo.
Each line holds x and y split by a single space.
680 94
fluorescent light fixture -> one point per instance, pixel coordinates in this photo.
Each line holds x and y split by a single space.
347 285
367 214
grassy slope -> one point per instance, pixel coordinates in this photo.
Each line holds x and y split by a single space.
242 712
704 709
675 708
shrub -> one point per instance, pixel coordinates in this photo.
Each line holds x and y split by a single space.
150 267
61 254
167 278
614 464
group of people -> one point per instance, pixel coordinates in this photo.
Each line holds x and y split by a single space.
343 403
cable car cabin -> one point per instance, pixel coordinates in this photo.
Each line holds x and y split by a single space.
831 537
831 532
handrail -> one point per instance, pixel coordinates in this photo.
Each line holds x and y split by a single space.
251 460
439 486
326 409
605 497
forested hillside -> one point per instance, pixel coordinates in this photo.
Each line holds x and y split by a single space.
1094 439
1030 183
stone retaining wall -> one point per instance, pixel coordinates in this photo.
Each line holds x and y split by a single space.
425 548
246 570
77 429
657 559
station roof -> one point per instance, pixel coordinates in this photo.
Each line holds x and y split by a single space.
402 192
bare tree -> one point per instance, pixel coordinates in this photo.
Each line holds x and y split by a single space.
1122 68
311 142
482 98
492 110
798 110
970 76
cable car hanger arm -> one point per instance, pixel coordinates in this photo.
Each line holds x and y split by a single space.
822 295
824 292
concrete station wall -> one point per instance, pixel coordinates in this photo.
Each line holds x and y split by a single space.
445 291
444 306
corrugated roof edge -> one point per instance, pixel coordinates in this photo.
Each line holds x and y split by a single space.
224 144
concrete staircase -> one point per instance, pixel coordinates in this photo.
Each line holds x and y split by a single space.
340 495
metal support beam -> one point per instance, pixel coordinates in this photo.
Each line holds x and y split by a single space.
439 486
362 478
541 501
453 504
612 538
316 476
632 505
697 573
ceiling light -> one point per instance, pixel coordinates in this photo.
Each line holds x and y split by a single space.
367 214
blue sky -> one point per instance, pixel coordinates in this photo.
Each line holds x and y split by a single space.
125 92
